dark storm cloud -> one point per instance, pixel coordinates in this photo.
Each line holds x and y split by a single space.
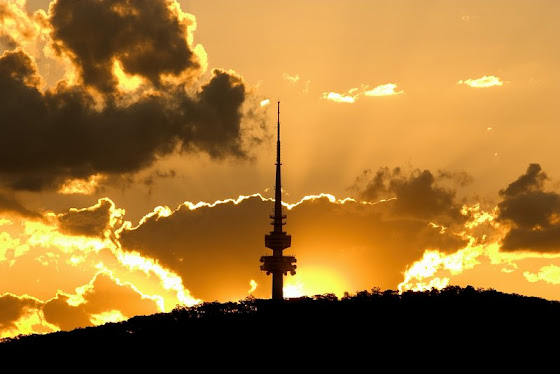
532 213
13 307
418 193
91 221
146 36
58 134
204 247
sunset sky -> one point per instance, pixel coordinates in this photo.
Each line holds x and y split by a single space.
419 150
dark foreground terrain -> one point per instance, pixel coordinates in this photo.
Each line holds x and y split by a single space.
460 321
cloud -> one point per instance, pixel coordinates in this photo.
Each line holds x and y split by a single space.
549 274
338 98
418 193
103 294
406 222
485 81
81 186
383 90
94 221
353 94
17 27
291 78
89 127
13 308
532 214
10 204
67 137
149 39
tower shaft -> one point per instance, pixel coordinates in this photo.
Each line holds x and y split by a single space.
278 264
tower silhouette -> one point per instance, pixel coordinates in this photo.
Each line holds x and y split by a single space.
278 265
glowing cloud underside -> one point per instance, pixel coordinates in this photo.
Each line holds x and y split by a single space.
486 81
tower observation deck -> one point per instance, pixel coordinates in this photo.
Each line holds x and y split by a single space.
278 265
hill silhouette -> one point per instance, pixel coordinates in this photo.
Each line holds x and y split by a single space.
369 321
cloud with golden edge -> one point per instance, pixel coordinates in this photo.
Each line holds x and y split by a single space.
484 82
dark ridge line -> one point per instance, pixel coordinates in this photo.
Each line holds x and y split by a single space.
454 314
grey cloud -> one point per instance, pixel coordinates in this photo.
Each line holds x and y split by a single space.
531 213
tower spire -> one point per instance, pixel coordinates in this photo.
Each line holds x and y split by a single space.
278 265
278 216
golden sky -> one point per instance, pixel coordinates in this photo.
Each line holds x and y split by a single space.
138 147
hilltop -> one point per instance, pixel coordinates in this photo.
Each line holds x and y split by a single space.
368 321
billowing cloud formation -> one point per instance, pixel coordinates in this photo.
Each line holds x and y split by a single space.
76 131
485 81
149 38
353 94
532 213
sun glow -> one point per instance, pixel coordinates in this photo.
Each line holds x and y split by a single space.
254 285
315 280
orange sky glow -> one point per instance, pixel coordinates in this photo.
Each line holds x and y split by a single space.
138 148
